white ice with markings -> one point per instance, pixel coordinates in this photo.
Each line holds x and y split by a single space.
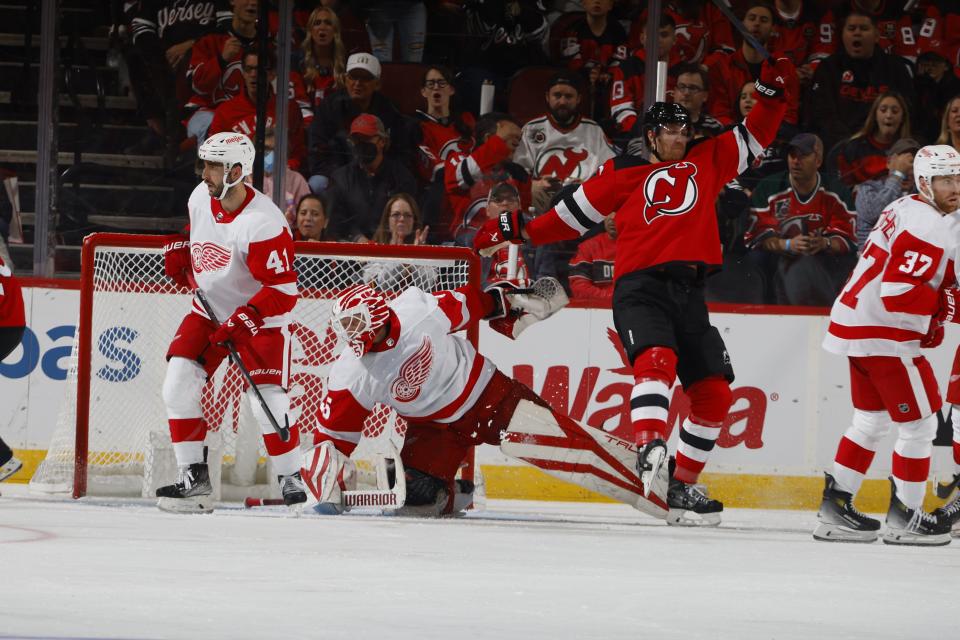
105 569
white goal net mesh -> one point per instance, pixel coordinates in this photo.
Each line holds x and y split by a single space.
132 314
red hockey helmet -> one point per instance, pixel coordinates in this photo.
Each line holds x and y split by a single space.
358 314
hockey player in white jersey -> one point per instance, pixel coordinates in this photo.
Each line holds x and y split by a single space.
403 353
892 306
240 255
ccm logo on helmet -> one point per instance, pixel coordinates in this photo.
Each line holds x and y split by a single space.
670 191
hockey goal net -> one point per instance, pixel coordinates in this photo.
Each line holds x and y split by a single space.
111 436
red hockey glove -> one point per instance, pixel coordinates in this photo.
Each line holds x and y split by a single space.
176 259
496 232
773 77
239 328
934 335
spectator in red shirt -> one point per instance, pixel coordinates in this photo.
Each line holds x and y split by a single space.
702 31
443 130
594 44
863 156
627 85
215 73
240 112
729 73
794 29
591 269
312 221
324 58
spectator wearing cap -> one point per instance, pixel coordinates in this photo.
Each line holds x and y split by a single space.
561 146
847 83
863 156
468 177
329 148
935 83
950 124
874 195
239 113
730 72
806 224
360 189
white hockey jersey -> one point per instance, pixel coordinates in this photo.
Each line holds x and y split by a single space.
422 371
242 257
569 154
886 306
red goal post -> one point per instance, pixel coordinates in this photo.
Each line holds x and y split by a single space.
112 422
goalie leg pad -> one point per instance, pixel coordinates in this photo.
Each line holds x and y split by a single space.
589 457
327 475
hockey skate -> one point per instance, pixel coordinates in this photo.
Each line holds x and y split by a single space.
293 490
913 526
191 493
689 506
944 489
650 459
840 521
9 467
950 514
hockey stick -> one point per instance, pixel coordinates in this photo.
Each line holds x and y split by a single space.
284 431
738 25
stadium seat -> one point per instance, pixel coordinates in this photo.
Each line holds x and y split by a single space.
400 81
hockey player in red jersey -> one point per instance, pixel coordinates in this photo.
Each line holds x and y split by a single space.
667 240
403 353
880 321
240 255
12 325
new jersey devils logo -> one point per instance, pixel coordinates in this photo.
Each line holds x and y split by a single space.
562 162
208 256
413 373
670 191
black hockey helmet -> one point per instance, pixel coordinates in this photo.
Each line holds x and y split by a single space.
661 113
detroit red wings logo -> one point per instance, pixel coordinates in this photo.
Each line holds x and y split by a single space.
413 373
670 191
208 256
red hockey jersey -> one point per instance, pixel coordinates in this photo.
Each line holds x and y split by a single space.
666 212
240 114
11 299
439 139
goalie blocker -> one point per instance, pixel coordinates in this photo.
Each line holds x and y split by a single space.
404 354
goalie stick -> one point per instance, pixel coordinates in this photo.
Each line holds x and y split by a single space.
284 431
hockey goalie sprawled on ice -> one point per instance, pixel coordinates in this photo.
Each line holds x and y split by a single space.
403 353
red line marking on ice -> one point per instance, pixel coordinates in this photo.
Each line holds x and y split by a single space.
38 535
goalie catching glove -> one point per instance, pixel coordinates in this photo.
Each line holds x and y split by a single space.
176 259
497 232
515 309
239 328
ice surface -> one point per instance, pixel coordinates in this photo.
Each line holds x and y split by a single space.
112 569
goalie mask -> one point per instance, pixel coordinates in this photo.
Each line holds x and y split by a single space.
229 148
358 314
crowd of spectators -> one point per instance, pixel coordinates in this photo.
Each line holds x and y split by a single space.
386 143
